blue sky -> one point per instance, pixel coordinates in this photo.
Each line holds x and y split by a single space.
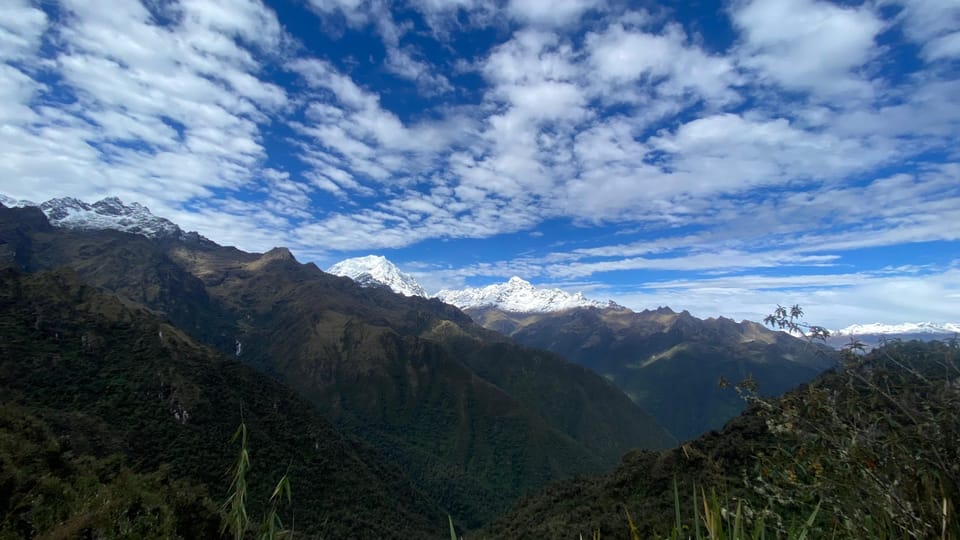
720 157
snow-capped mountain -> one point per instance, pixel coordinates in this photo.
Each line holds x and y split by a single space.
873 335
904 328
108 213
519 296
375 270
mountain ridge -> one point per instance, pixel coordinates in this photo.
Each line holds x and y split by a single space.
109 213
519 296
515 294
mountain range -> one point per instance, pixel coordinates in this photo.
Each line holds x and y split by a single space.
201 282
873 335
471 418
516 294
669 363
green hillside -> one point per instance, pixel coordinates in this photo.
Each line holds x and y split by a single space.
869 449
112 381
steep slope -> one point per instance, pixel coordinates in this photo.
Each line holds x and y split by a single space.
413 376
669 363
374 270
115 379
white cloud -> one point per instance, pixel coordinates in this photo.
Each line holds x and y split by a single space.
402 63
934 25
160 113
21 29
830 300
555 13
809 45
662 63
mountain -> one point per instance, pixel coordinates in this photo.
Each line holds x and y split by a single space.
669 363
904 328
875 437
374 270
106 214
517 295
474 419
873 335
112 380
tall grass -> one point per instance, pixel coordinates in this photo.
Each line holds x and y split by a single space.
235 517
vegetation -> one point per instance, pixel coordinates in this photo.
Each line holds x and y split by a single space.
113 382
874 442
51 489
867 450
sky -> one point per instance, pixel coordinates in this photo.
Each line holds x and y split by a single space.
719 157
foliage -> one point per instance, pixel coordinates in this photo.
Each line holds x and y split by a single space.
236 519
875 441
113 379
49 490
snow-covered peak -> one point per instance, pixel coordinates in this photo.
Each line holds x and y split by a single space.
377 270
109 213
520 296
903 328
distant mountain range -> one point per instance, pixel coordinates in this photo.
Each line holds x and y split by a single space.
128 343
514 294
519 296
903 328
872 335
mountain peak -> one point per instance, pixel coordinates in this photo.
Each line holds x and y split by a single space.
377 270
518 295
107 213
